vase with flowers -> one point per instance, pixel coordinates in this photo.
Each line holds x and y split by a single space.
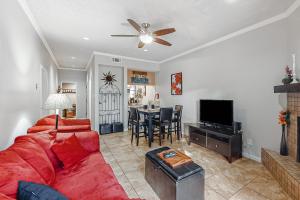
284 121
288 76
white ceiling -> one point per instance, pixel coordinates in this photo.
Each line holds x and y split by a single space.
65 22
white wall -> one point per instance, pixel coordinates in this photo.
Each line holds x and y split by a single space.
294 38
80 79
22 55
244 69
90 93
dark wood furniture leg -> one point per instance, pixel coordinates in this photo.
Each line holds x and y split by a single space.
138 134
178 130
150 130
132 133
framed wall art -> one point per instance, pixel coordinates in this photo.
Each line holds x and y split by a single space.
176 84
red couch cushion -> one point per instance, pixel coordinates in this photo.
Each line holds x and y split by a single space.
70 151
46 140
89 140
62 129
37 129
91 179
30 151
48 122
70 122
74 128
4 197
14 168
64 125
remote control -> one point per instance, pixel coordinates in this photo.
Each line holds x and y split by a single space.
170 154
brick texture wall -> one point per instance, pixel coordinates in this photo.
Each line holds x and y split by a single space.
294 108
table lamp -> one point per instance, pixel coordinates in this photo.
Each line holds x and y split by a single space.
58 102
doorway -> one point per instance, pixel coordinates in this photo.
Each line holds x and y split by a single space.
70 89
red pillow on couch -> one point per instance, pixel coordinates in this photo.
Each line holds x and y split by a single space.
69 151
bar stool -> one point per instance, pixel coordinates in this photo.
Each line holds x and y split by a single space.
136 124
176 120
165 120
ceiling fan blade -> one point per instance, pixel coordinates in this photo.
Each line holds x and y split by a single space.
164 31
124 35
161 41
135 25
141 45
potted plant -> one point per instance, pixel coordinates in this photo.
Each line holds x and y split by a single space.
288 76
284 121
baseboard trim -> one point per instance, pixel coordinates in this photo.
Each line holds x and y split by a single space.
252 157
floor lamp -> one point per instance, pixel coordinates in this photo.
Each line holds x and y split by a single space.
58 102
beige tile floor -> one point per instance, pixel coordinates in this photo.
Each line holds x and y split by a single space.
242 180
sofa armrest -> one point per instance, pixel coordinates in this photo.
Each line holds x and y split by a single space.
71 122
89 140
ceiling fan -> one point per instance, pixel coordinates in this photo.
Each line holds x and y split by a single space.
147 37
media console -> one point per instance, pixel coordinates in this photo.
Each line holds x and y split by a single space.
221 140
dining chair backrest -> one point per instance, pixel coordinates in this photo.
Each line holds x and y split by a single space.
178 109
129 115
134 114
166 115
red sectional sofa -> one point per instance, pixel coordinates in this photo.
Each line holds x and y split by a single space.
30 158
64 125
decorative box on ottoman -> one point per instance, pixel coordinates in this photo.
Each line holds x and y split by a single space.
185 182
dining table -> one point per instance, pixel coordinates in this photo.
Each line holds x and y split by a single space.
150 114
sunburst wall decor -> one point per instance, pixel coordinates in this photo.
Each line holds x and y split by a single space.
109 78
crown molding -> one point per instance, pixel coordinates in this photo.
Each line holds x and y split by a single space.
95 53
292 8
73 69
261 24
38 30
124 57
89 62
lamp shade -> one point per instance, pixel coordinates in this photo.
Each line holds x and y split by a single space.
58 101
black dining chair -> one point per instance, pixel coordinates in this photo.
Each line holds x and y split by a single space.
176 120
129 120
136 124
165 120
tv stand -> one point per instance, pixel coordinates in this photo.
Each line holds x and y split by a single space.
219 139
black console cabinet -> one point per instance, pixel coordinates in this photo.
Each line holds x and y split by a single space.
220 140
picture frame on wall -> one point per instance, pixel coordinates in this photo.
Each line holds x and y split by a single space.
176 84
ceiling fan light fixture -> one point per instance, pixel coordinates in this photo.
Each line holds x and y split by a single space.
146 38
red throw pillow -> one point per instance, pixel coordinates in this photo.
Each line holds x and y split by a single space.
70 151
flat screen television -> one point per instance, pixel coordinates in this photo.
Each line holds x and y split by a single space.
216 112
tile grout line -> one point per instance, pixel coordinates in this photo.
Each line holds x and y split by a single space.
244 186
121 169
251 189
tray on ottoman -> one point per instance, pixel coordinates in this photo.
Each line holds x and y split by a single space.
185 182
176 160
